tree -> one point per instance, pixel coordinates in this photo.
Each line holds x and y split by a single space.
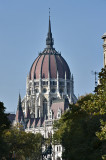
23 145
15 143
4 121
101 90
102 136
4 124
79 128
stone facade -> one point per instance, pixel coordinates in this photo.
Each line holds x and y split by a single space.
49 90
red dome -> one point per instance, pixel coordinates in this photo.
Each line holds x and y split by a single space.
49 62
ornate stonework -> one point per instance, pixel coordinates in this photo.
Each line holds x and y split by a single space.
49 90
49 79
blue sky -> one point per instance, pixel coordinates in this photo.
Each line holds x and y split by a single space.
77 27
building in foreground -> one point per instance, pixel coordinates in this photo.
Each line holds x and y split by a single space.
49 90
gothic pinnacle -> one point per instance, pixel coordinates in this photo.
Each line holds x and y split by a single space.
49 39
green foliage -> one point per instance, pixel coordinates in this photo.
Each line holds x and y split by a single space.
102 79
102 134
15 143
22 145
4 124
82 129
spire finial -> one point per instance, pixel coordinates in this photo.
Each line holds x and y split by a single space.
49 12
19 100
49 39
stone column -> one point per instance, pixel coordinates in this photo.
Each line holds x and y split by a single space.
48 105
32 87
57 84
48 102
40 85
48 82
25 106
36 107
71 87
27 86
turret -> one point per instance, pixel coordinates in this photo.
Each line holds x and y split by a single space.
27 85
19 113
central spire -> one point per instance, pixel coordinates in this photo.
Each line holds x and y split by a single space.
49 39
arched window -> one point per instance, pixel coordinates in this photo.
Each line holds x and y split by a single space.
44 107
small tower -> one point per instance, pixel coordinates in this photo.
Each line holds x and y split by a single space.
27 86
19 113
104 47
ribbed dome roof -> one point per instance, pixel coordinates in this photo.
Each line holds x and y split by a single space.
49 62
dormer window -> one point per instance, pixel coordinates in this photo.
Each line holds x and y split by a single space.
58 115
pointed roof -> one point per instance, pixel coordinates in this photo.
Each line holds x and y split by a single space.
34 123
19 103
19 113
49 39
38 124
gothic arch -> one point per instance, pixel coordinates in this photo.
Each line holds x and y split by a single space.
44 107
